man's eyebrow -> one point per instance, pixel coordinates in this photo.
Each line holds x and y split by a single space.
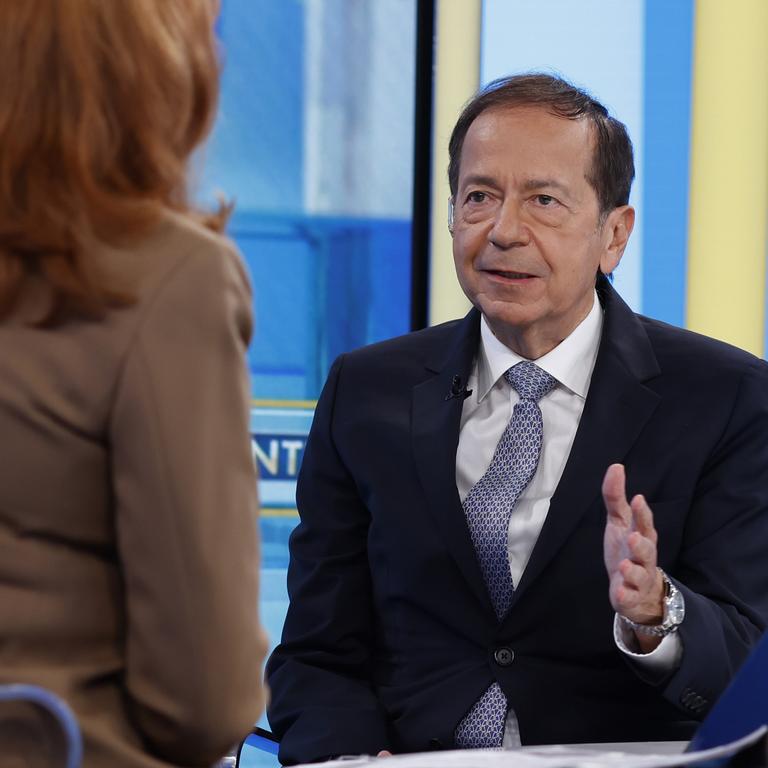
529 185
532 184
479 179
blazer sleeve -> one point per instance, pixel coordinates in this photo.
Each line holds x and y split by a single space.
323 703
722 570
186 512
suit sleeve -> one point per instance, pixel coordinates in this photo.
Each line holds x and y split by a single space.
323 703
186 513
722 570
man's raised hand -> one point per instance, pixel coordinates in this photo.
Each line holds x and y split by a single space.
636 586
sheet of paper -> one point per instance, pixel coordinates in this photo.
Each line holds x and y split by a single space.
544 757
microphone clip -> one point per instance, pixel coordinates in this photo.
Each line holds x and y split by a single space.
458 390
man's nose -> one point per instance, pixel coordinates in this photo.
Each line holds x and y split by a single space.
509 228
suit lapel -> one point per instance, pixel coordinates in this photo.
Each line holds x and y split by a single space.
435 432
617 408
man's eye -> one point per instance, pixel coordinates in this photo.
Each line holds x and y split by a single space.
476 197
545 200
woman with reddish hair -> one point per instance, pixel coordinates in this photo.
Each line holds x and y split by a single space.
128 544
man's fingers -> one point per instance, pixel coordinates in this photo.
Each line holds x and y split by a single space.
614 494
630 551
637 593
613 485
636 576
643 518
623 597
642 550
628 588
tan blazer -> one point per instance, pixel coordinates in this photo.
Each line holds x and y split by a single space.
128 507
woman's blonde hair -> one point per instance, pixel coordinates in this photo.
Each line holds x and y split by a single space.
101 104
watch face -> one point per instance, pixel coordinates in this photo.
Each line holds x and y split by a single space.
675 608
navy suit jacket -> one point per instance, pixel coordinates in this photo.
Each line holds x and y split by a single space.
391 636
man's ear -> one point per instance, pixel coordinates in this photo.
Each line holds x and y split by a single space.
450 215
616 231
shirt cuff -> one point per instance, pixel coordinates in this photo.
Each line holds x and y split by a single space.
662 660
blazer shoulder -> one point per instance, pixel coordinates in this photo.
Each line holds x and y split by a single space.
176 244
393 367
698 353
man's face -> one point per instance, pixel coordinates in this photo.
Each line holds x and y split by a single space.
527 237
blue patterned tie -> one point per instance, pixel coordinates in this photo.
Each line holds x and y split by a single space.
488 507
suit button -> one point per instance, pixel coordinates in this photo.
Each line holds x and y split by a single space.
504 656
435 744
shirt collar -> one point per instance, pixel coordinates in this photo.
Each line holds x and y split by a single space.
570 362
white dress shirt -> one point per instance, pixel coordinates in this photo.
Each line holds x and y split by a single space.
486 413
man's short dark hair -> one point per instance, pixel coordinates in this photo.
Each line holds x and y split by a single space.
613 167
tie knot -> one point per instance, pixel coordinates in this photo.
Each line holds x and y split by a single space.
530 381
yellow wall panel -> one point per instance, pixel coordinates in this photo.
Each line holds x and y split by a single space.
457 76
729 172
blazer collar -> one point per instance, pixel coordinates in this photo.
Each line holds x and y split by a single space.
624 335
436 417
457 352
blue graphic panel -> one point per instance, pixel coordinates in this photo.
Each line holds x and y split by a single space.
322 286
667 96
255 154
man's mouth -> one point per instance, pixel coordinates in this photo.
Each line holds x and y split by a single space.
510 275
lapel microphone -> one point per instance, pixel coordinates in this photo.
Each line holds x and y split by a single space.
458 391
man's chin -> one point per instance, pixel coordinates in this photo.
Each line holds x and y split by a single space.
510 315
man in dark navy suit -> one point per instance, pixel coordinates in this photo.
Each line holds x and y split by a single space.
546 522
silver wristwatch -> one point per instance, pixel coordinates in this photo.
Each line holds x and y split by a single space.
672 617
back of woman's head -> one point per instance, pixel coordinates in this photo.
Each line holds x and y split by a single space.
101 104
